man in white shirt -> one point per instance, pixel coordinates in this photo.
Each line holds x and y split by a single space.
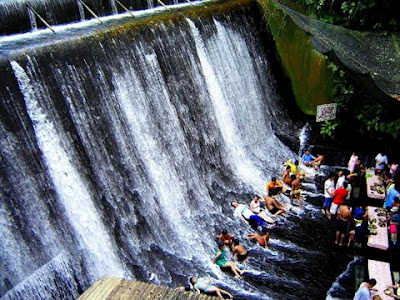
340 180
329 188
381 161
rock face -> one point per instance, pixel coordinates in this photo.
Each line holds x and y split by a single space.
306 68
372 58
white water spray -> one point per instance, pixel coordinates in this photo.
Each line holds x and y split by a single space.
71 189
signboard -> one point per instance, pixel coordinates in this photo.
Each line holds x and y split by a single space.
326 112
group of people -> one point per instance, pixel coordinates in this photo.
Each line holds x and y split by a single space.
351 216
351 220
261 214
366 291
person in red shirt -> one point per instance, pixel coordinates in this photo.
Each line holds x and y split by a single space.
339 198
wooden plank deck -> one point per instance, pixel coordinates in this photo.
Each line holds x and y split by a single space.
113 288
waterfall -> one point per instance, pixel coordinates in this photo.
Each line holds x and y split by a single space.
304 138
228 116
72 190
113 7
81 10
32 18
129 147
150 4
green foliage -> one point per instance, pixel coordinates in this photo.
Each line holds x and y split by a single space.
328 128
369 15
372 119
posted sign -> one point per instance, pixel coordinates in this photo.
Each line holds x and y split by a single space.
326 112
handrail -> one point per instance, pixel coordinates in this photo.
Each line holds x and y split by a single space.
124 7
188 1
40 17
162 3
90 11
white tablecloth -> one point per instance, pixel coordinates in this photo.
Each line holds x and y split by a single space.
381 272
370 182
380 240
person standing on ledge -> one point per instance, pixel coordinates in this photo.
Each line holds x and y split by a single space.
381 162
296 191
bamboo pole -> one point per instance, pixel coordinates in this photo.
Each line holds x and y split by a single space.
124 7
190 2
90 11
40 17
162 3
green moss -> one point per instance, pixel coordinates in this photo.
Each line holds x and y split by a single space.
175 15
307 69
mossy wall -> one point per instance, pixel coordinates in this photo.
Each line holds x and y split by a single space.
306 68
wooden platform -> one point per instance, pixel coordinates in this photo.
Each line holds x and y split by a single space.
112 288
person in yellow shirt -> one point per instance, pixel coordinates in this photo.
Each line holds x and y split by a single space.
294 167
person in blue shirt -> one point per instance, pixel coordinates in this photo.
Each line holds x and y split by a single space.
392 193
363 292
307 158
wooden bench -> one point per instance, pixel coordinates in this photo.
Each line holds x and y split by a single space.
381 272
381 239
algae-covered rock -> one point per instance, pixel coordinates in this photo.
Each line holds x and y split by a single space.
311 80
367 53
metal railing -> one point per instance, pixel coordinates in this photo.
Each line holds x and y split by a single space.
85 6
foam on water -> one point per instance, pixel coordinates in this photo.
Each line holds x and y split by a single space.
71 188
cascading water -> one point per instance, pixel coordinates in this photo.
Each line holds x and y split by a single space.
32 19
121 153
113 6
81 10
